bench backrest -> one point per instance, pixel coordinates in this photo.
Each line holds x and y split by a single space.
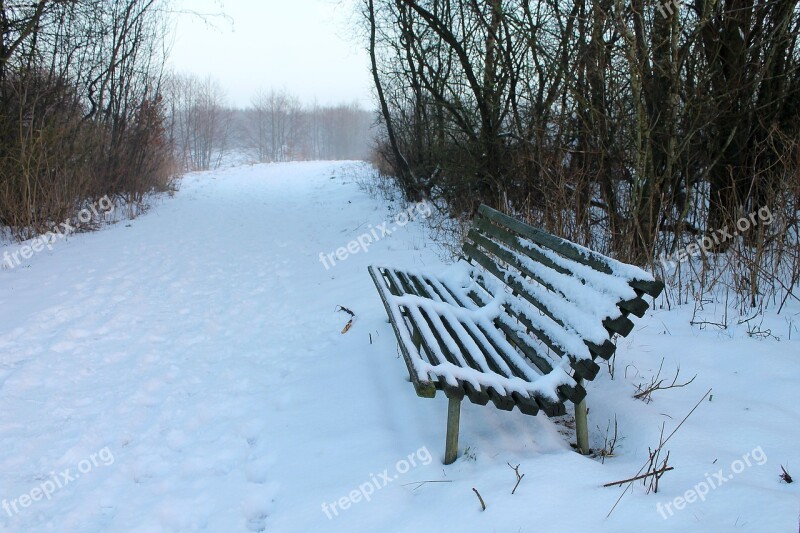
568 283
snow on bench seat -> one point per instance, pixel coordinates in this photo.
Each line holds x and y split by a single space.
460 346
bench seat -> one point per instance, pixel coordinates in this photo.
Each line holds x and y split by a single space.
464 340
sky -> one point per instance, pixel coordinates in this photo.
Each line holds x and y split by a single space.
310 48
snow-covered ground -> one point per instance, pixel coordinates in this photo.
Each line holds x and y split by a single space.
186 371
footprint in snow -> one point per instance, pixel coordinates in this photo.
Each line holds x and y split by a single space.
257 506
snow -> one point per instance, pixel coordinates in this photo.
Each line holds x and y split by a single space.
595 283
565 338
621 270
189 366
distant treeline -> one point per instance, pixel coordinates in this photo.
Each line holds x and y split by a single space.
276 126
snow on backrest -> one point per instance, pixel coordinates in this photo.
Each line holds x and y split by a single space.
579 289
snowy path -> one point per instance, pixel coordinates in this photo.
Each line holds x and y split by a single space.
187 371
200 346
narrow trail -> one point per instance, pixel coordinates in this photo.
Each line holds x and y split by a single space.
199 343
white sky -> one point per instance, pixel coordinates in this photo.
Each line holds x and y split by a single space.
308 47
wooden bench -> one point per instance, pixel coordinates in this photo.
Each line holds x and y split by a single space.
520 322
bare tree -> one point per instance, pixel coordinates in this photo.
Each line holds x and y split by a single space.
200 121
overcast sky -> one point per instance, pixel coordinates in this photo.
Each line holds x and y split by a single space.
307 47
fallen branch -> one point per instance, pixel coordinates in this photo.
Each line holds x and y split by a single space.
636 478
346 310
421 483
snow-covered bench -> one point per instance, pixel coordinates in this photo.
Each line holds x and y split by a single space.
520 322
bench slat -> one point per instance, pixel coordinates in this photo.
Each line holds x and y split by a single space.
505 356
463 357
421 326
458 332
574 393
584 367
423 388
500 353
605 350
491 267
620 324
572 251
635 305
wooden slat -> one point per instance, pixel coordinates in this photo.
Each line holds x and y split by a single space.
502 401
543 365
566 248
564 392
584 367
451 391
489 265
401 280
636 306
621 325
527 405
478 396
550 407
432 323
425 389
400 283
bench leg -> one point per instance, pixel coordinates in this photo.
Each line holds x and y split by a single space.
451 444
582 426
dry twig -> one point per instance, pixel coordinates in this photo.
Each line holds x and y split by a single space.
519 476
349 322
421 483
630 484
609 443
645 392
478 494
635 478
